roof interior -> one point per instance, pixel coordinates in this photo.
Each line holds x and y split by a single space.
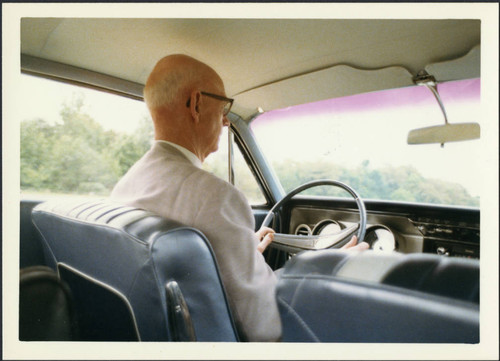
259 59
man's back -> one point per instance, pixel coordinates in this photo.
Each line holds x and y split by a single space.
164 181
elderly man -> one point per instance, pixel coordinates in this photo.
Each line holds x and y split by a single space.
188 105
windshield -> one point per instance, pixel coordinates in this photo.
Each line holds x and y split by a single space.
361 140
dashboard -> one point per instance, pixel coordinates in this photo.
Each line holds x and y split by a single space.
391 226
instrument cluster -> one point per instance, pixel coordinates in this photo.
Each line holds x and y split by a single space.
379 237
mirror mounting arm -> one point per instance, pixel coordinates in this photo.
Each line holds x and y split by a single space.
423 78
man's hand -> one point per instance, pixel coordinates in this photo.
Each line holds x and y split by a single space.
265 236
352 246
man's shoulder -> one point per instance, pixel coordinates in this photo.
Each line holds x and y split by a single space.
212 187
166 170
207 178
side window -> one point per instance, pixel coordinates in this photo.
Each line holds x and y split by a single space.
77 141
218 164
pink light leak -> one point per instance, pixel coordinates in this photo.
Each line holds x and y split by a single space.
455 91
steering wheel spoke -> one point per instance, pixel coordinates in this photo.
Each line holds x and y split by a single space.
316 242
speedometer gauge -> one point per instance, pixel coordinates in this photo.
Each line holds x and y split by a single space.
381 239
327 226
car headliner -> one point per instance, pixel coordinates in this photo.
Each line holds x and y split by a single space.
265 63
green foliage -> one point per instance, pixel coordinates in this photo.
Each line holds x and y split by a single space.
128 148
36 148
389 183
77 155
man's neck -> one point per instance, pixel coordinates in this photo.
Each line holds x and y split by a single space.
186 152
178 131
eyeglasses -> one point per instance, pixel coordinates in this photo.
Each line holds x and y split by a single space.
227 106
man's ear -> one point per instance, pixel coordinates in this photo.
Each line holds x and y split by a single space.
194 105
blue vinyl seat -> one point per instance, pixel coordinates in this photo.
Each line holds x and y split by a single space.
133 274
338 296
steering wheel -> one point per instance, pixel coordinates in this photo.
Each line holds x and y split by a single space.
315 242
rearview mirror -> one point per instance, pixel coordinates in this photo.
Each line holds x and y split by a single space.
440 133
444 133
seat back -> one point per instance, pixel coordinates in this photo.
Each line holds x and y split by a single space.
336 296
134 274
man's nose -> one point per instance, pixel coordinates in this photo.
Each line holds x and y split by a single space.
225 121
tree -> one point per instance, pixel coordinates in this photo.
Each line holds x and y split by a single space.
127 149
389 183
77 155
36 147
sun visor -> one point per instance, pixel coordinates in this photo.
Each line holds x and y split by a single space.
466 67
337 81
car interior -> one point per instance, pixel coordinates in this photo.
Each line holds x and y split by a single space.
119 273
